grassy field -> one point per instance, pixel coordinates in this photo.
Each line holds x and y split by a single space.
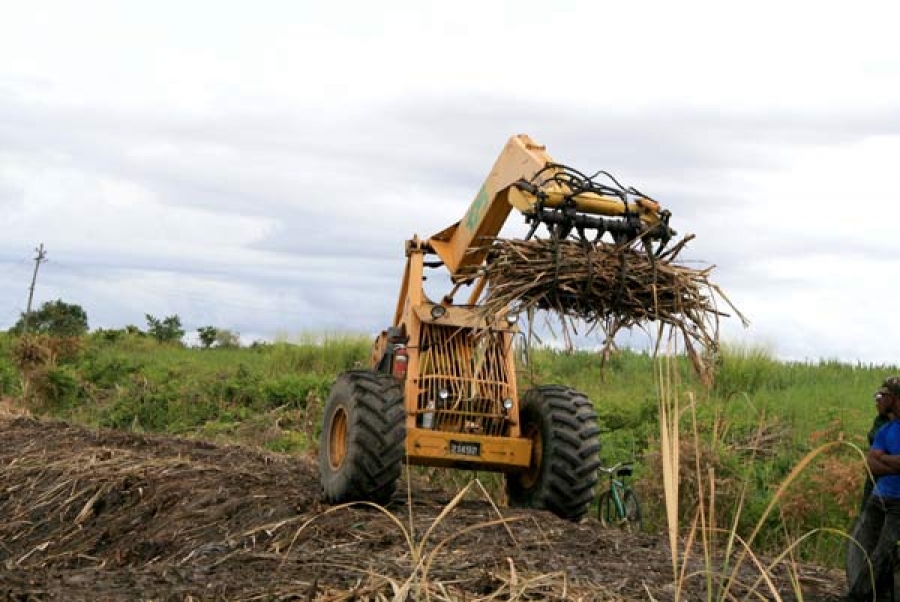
746 433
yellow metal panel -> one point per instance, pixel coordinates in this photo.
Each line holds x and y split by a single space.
455 316
462 317
520 158
587 202
432 448
415 296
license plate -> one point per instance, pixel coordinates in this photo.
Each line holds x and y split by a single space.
465 448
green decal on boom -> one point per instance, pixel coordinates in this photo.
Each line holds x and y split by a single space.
477 209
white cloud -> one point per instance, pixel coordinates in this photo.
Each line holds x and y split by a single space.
261 169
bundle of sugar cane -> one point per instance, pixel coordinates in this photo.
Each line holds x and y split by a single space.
605 285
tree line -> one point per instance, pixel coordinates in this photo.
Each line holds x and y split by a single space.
60 319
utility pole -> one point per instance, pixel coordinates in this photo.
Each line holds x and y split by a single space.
38 260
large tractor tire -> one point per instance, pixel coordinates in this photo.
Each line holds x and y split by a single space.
362 444
562 477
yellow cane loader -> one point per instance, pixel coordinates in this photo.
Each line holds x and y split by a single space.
441 386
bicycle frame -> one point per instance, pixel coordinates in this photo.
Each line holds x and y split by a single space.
618 504
617 486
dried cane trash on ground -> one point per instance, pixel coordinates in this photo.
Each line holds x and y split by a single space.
607 286
103 515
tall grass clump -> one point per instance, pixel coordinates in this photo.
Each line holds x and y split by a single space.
806 396
10 384
719 544
621 388
320 353
744 370
44 364
127 380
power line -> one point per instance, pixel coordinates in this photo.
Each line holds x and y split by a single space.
40 258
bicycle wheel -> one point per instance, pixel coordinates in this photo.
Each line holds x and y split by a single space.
606 510
633 517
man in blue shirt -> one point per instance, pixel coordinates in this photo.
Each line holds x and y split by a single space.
879 529
882 417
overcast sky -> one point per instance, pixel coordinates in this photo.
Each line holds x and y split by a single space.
258 166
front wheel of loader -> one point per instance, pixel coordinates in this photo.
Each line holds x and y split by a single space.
362 443
562 477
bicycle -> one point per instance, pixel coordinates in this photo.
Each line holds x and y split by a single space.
618 505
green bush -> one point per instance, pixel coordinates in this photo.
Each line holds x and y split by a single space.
107 371
55 318
292 390
288 442
148 410
58 389
9 376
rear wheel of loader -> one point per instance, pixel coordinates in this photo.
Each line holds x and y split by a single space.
362 444
562 477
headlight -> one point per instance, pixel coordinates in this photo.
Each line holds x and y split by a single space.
512 319
444 394
507 404
438 311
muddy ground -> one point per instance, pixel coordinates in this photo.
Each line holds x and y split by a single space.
105 515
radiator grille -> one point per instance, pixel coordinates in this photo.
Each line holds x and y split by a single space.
473 370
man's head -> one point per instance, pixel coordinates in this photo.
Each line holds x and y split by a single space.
887 398
892 385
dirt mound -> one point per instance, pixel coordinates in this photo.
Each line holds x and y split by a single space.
103 515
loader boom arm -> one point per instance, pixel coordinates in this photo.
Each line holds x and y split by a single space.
520 158
524 176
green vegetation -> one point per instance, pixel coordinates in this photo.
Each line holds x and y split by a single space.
755 424
56 318
166 330
219 337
